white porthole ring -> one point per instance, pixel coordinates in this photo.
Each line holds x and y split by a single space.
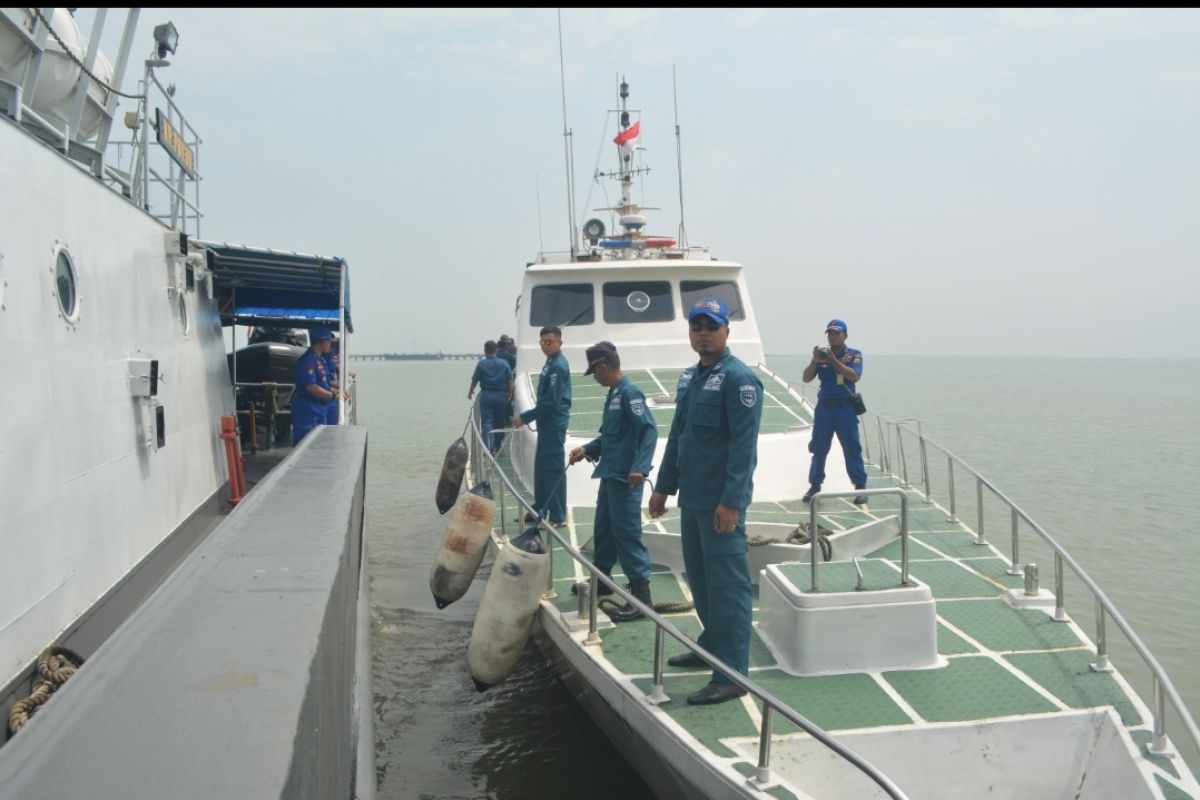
65 283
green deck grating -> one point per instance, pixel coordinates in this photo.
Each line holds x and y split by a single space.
969 687
996 660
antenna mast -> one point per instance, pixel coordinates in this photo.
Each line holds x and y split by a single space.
678 160
567 142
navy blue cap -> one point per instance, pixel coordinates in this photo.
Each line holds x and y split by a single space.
598 351
317 334
712 307
836 325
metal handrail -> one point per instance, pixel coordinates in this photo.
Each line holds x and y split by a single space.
769 701
1162 687
812 525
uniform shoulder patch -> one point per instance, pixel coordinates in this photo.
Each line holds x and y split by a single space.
637 406
749 395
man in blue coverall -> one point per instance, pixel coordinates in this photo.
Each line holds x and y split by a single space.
840 369
333 363
624 448
506 350
496 379
710 458
552 413
313 391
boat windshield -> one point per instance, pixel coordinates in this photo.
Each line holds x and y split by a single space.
691 291
638 301
562 304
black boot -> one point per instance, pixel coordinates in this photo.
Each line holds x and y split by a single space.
812 490
627 612
601 588
861 500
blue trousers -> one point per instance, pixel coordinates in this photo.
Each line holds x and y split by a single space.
549 461
305 416
828 420
619 529
718 572
492 406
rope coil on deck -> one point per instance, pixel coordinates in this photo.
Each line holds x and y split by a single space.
675 607
54 666
800 535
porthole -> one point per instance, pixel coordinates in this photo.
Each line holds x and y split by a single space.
638 301
66 283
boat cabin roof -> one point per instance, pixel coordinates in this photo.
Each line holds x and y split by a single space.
258 286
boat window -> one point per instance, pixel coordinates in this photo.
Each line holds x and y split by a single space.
691 291
562 304
65 284
638 301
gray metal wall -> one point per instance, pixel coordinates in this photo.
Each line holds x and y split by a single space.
237 678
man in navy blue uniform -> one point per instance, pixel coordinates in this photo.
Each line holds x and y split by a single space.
624 448
710 458
840 369
313 391
333 362
552 413
496 379
506 349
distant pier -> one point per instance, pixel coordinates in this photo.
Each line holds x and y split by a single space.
416 356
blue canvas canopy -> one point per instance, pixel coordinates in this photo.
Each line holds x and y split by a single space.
257 286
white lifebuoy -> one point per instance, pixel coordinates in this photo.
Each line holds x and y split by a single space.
506 612
467 529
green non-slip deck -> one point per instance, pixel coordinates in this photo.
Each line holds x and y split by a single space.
997 661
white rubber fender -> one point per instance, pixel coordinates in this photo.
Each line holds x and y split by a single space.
467 529
505 617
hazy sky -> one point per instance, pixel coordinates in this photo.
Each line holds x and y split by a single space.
977 182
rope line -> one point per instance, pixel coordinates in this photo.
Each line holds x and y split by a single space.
54 666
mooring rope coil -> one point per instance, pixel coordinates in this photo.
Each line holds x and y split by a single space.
54 666
665 607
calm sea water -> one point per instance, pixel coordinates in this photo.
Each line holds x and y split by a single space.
1103 454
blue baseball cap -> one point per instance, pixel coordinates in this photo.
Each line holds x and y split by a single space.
317 334
712 307
836 325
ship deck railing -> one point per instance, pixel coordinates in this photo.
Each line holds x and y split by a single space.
893 460
484 465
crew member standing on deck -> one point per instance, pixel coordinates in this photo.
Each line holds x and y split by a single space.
506 349
624 448
552 413
313 390
496 378
840 369
333 362
710 458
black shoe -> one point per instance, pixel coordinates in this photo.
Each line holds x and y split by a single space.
530 518
812 490
688 659
861 500
629 612
715 693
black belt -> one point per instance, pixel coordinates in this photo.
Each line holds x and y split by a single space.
834 401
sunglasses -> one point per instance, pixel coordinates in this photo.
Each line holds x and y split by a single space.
705 326
547 342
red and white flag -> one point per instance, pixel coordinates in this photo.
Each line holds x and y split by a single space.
627 140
